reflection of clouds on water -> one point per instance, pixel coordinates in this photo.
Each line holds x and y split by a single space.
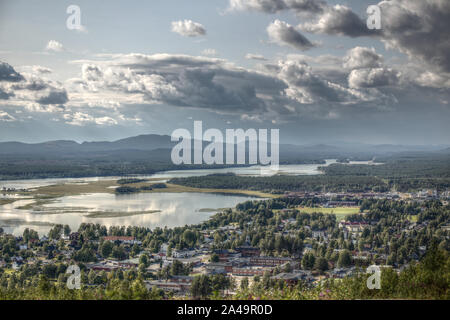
176 209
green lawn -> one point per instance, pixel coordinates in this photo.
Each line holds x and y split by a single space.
413 218
340 212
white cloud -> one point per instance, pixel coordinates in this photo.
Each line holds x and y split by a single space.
361 57
373 77
54 46
6 117
432 80
188 28
82 119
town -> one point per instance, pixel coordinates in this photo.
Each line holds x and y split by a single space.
289 241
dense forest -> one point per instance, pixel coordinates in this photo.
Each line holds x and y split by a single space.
280 183
399 173
398 166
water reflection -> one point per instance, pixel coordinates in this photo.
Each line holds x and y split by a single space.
175 209
289 169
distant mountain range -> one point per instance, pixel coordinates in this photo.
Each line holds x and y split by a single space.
142 142
152 142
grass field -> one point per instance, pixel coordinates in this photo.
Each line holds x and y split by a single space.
340 212
114 214
105 186
6 201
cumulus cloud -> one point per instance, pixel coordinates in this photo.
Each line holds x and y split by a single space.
179 80
54 97
338 20
82 119
322 18
293 87
367 69
7 73
418 28
6 117
432 80
362 57
54 46
41 70
284 34
30 88
285 90
334 20
5 95
188 28
373 77
307 87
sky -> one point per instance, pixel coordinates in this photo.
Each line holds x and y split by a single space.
310 68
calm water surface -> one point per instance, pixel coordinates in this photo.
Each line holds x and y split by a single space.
291 169
175 209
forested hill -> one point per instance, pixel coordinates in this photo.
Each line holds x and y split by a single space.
400 173
147 154
281 183
410 165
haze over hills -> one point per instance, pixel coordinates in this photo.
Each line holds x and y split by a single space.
151 142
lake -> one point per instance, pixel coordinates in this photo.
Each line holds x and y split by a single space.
290 169
142 209
164 209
